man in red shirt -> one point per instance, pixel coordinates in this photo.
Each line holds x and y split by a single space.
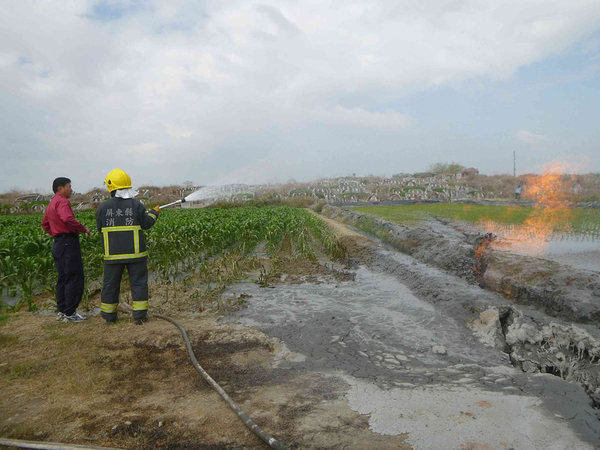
59 221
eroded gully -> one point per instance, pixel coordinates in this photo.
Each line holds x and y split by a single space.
398 335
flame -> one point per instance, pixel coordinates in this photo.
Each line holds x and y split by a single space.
551 211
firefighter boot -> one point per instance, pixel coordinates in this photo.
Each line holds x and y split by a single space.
141 320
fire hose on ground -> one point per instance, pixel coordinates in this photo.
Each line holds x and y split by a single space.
48 445
266 437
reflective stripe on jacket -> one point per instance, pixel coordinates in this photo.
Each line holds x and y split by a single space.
120 222
121 243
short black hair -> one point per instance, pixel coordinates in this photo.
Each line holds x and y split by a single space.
60 181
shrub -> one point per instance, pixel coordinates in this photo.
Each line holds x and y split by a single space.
318 207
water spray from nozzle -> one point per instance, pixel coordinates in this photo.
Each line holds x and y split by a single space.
208 192
173 203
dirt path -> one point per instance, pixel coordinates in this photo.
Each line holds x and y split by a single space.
358 246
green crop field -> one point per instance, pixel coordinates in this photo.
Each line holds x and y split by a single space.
182 240
583 221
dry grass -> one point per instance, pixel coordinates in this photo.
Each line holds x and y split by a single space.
10 196
75 382
133 387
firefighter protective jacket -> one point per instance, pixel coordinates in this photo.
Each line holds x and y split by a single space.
120 222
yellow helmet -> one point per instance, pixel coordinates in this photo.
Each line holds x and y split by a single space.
117 179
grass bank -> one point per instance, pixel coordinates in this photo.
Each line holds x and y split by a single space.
577 220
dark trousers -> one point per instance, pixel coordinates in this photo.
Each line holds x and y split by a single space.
69 265
138 280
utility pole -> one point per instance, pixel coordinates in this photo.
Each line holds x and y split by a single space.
515 164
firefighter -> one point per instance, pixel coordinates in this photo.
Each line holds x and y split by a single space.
120 221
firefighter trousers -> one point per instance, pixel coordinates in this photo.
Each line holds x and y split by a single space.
138 280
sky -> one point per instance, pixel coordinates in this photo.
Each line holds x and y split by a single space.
250 92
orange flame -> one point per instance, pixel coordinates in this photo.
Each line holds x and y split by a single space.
551 211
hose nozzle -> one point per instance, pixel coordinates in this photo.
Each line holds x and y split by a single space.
172 204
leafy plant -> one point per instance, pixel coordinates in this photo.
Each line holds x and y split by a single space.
181 242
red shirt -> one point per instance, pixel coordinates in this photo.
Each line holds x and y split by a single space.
59 218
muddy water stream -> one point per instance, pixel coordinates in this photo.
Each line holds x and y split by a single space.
416 369
370 327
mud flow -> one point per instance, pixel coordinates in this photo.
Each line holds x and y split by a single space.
430 353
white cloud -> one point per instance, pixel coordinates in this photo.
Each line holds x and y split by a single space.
178 132
530 138
359 118
144 149
243 77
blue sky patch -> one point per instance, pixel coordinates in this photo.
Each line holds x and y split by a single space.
105 11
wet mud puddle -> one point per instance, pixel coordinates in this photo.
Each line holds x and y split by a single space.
369 328
579 251
415 370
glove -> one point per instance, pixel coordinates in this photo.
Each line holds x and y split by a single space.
157 209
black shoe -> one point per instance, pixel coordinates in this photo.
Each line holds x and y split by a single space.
111 322
141 321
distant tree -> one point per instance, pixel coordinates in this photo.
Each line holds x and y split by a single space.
423 174
445 168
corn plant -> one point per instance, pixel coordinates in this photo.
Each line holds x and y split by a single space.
181 242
